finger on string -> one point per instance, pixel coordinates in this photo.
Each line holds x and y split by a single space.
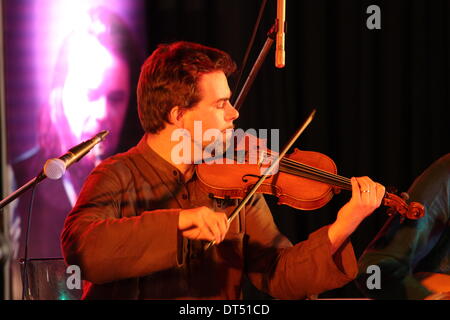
380 191
356 192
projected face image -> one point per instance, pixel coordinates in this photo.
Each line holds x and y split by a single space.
76 66
95 95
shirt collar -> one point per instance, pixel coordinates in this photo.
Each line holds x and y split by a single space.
155 160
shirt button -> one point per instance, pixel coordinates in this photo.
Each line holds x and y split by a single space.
185 197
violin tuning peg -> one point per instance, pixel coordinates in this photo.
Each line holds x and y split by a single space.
404 196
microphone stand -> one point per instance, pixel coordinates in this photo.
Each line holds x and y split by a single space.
13 196
76 153
238 104
256 67
5 253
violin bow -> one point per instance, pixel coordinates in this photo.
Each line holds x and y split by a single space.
267 172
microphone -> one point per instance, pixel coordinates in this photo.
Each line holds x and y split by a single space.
280 37
56 167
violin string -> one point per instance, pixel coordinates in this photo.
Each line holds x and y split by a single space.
315 173
313 177
305 175
312 172
321 178
307 168
316 170
299 166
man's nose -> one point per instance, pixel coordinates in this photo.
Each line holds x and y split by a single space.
231 113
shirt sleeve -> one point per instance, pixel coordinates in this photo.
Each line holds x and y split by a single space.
293 272
402 248
108 247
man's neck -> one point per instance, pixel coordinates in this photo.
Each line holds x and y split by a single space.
162 144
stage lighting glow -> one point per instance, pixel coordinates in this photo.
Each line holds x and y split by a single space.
69 77
87 65
55 20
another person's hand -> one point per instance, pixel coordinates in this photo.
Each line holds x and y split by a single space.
203 224
366 197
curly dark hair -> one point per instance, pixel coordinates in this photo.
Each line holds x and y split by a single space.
169 78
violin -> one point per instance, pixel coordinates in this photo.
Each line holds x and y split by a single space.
305 180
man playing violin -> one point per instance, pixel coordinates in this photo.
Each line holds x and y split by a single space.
139 227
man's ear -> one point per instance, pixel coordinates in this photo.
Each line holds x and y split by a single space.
176 116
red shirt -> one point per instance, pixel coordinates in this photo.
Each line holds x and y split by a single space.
123 234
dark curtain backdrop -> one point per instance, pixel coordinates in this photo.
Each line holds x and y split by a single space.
381 95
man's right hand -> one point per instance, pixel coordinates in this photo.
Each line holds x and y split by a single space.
203 224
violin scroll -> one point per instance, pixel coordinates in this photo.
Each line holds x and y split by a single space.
413 210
